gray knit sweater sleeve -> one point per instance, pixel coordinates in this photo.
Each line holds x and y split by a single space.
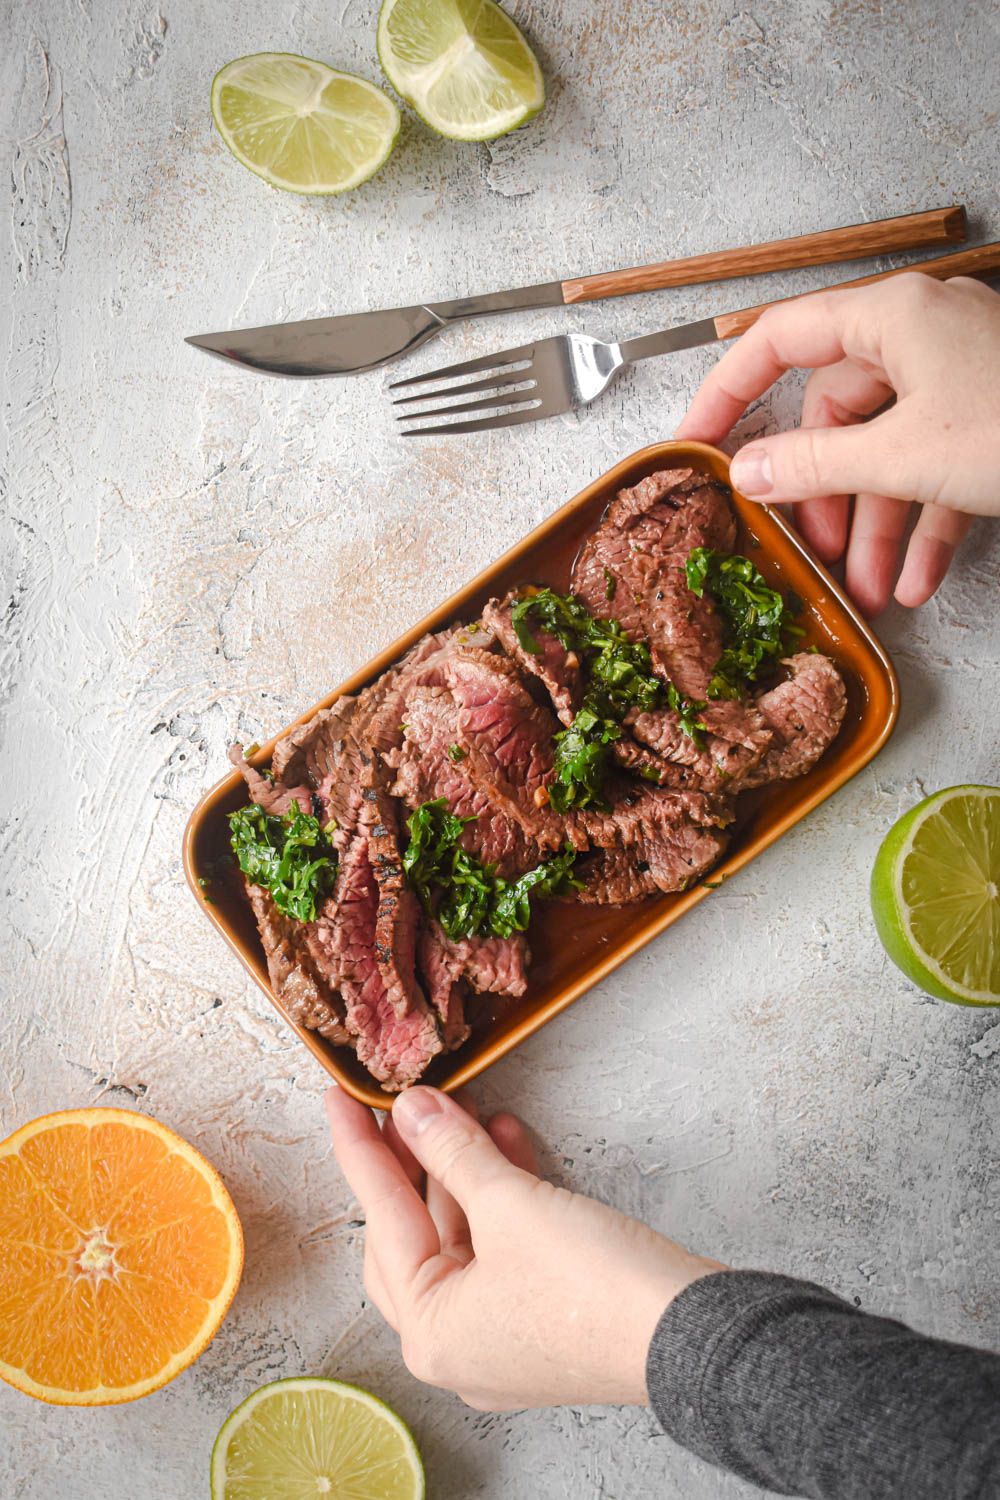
786 1385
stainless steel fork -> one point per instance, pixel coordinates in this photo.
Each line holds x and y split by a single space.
568 371
538 380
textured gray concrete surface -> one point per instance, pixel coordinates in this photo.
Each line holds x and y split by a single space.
191 553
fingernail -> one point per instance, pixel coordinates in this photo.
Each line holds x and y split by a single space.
750 471
414 1110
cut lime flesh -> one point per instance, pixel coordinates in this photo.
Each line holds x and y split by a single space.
462 64
301 1439
935 895
302 126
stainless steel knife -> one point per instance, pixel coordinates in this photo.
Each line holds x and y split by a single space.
354 342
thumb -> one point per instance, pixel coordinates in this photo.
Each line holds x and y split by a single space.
876 457
450 1145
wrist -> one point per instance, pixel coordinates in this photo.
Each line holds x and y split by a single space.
663 1279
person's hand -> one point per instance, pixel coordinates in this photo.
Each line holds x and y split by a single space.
502 1287
935 347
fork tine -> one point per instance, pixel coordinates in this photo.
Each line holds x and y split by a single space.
489 383
485 403
483 424
471 366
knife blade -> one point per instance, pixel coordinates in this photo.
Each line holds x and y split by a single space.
352 343
355 342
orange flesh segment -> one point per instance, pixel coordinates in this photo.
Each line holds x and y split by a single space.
120 1251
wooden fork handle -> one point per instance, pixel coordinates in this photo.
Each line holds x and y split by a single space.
981 260
938 226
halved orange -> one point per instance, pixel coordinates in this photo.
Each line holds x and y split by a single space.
120 1252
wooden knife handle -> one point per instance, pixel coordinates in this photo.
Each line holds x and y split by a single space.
938 226
981 260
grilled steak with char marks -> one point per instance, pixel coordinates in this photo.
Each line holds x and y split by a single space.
674 510
398 908
394 1048
305 995
637 556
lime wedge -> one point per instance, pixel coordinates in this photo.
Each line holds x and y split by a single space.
300 125
935 894
305 1438
462 64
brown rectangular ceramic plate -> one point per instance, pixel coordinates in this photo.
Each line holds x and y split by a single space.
570 954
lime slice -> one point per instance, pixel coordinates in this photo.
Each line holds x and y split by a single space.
300 125
936 894
305 1438
462 64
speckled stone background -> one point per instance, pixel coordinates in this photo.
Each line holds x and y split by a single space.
191 553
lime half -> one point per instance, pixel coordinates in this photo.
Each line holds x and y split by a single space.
305 1438
462 64
300 125
936 894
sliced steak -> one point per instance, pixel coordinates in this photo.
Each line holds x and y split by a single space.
326 756
274 797
637 811
508 737
496 966
654 768
804 715
394 1048
425 771
398 909
332 751
443 975
675 510
424 665
641 808
736 738
556 668
614 877
339 754
670 836
299 755
611 579
381 724
677 833
632 569
493 965
679 853
684 632
632 756
307 999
